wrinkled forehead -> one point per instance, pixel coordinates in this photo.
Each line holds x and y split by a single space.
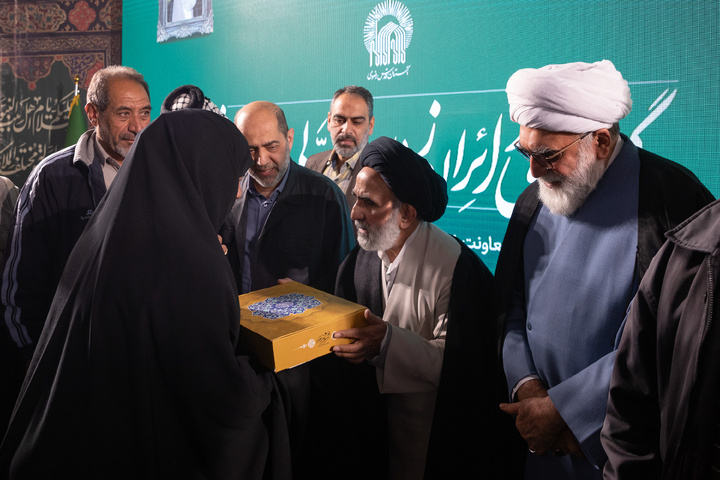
369 183
126 89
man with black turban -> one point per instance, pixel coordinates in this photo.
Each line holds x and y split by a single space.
430 338
579 240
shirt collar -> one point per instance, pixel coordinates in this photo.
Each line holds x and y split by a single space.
394 264
349 163
103 153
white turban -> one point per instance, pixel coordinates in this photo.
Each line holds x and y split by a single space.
574 97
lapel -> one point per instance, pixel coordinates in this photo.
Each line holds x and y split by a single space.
238 221
318 161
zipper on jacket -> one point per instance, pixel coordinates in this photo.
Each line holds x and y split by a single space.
686 408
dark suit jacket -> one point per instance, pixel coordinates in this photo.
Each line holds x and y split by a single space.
317 163
306 236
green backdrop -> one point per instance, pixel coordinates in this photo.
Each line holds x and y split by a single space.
439 77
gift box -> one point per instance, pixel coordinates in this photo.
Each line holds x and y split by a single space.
290 324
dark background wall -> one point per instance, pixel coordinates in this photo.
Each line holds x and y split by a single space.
43 46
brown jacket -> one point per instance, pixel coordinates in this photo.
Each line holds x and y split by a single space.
318 162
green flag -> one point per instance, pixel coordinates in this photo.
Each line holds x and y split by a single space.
76 122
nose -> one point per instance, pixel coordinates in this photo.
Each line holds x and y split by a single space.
135 124
260 159
355 212
537 170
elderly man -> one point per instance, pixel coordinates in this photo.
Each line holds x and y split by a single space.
578 243
350 123
59 197
429 337
289 223
61 194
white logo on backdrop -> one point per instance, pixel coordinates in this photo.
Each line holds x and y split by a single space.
388 32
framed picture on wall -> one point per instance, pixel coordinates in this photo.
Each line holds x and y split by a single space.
184 18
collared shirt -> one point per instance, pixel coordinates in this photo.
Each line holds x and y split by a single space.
110 166
390 270
340 176
258 210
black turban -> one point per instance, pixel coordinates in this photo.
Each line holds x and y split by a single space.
409 176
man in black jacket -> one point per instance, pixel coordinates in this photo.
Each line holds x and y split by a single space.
289 223
662 418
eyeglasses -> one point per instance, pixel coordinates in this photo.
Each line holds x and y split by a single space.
545 159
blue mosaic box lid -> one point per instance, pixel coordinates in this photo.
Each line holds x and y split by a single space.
292 323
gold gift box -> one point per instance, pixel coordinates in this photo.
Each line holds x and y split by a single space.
289 324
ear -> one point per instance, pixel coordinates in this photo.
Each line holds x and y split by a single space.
372 126
328 123
604 144
92 113
290 136
408 215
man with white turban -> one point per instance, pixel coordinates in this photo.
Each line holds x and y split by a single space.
578 243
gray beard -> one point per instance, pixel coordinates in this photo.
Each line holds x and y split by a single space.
380 238
347 152
275 180
574 189
115 146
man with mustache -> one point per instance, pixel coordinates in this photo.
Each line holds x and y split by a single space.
58 199
579 240
430 341
60 195
350 123
289 223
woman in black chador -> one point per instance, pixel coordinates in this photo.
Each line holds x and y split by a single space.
137 373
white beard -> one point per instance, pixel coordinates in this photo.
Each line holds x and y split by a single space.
564 199
381 238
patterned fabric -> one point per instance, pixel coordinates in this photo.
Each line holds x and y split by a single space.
282 306
184 100
44 46
34 35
